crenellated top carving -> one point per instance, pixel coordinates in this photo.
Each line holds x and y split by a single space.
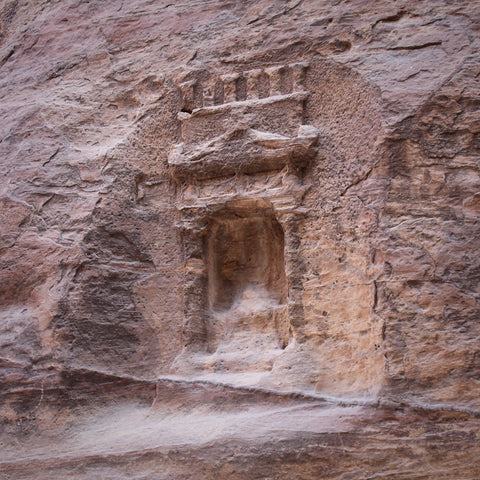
243 123
251 85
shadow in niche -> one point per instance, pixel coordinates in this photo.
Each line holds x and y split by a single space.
247 285
244 250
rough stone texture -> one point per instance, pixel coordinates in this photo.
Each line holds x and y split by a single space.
239 239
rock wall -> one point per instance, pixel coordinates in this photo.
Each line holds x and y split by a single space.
266 195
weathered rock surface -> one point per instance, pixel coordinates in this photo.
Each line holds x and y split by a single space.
239 239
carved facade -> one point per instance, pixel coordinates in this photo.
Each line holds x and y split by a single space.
239 196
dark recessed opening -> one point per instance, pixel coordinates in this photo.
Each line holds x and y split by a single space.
245 249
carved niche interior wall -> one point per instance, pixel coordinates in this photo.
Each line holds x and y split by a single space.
238 171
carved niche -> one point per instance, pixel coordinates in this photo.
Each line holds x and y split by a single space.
238 171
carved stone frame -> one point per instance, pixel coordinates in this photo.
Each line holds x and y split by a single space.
213 155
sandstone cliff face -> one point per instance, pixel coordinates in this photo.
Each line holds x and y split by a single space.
220 215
